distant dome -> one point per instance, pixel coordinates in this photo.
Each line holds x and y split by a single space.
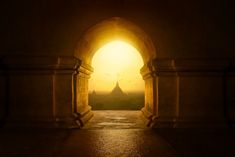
117 91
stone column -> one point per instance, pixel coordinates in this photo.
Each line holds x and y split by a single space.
160 94
150 108
42 91
187 93
81 80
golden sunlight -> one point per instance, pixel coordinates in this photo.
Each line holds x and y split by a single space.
117 61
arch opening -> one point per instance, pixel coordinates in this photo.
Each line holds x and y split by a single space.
113 29
116 83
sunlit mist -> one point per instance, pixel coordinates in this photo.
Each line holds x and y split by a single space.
117 61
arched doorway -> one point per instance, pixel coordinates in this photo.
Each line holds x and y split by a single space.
108 30
116 83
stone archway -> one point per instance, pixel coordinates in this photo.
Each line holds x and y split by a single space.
108 30
55 88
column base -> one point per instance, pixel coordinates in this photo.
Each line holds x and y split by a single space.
147 116
84 116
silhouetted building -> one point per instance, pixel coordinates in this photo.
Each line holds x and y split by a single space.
116 100
117 91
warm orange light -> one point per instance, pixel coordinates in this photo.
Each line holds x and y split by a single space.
117 61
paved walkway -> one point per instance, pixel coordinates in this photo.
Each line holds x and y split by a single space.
108 134
116 134
116 119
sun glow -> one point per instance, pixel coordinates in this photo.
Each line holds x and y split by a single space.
117 61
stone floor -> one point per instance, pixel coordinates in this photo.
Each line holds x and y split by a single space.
116 134
116 119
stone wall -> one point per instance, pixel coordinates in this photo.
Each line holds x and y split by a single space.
40 91
53 92
191 81
191 93
178 29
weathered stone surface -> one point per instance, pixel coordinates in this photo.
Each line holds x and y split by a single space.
187 48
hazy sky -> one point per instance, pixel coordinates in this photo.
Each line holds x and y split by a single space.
116 61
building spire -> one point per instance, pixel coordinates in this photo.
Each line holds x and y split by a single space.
117 84
117 90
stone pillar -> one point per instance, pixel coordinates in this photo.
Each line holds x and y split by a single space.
160 95
81 80
151 96
42 92
187 93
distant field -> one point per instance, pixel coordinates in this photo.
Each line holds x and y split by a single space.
131 101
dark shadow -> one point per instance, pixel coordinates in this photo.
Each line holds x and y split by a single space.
229 121
6 97
195 142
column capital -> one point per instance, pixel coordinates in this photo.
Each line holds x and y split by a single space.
84 70
148 71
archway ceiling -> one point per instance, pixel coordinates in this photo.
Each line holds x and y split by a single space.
114 29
